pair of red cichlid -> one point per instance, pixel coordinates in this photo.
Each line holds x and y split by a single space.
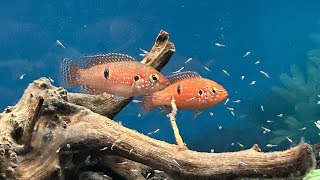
122 75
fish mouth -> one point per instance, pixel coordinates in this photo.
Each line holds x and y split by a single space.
223 94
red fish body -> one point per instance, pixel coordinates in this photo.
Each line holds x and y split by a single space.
113 73
189 90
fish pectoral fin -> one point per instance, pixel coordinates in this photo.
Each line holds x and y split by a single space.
90 90
196 114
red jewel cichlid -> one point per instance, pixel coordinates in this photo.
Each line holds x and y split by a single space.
113 73
189 90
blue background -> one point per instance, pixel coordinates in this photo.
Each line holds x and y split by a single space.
275 32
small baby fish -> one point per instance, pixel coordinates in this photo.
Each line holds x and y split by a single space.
219 45
113 73
189 90
188 60
246 54
60 44
22 76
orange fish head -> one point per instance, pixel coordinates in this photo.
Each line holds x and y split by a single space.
215 93
151 82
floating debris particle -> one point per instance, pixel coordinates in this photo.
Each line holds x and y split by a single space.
241 145
178 70
22 76
68 146
142 55
280 115
60 44
207 68
153 132
225 103
212 150
144 51
266 130
319 95
252 83
219 45
232 144
139 115
290 140
265 74
136 101
225 72
269 121
237 101
242 77
188 60
247 54
318 102
262 108
257 62
211 113
271 145
232 113
220 127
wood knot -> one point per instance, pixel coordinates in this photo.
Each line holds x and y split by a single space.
17 132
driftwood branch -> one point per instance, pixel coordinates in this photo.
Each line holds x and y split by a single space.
54 134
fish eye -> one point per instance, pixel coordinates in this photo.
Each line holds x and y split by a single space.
200 93
213 90
136 78
153 77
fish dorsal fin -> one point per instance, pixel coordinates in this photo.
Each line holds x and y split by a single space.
182 76
88 61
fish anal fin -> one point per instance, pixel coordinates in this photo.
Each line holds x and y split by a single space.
165 109
88 61
147 103
182 76
196 114
90 90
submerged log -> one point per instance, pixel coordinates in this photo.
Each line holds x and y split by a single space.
52 134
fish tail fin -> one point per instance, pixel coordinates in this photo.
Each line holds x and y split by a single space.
70 72
147 103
